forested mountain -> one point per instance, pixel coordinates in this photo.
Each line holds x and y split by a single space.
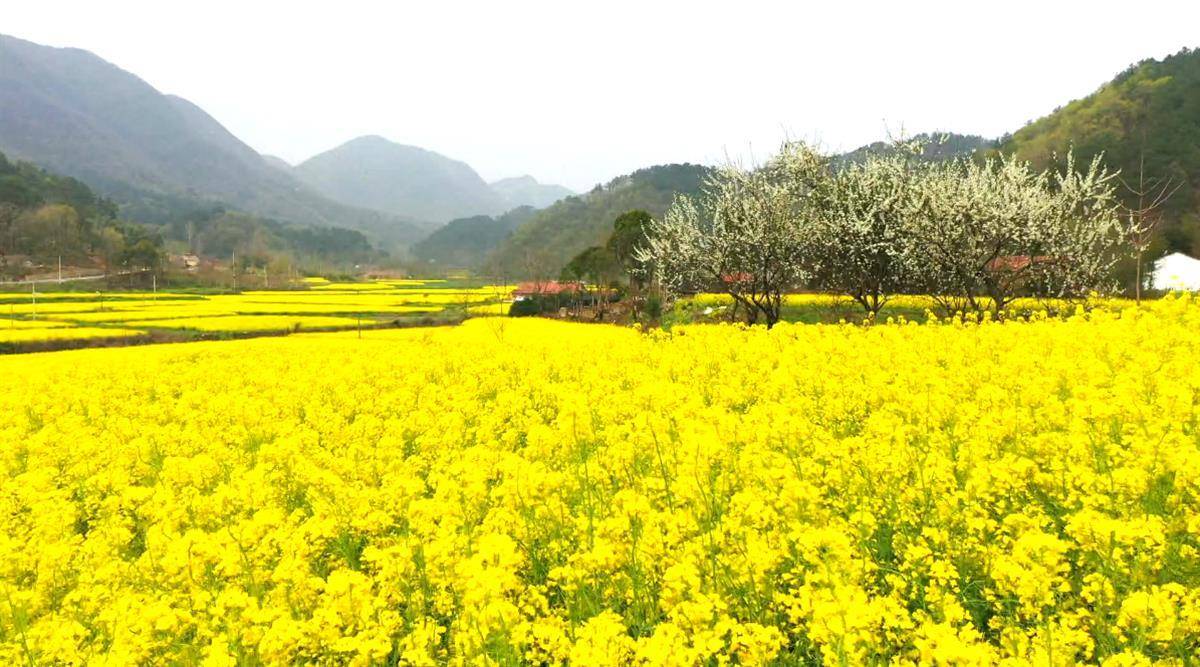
935 146
45 218
24 186
1150 113
278 163
526 191
259 242
554 235
74 113
464 243
375 173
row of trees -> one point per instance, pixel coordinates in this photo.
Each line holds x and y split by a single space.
974 235
47 219
611 268
258 243
57 234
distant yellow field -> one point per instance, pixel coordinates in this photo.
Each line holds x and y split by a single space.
248 312
253 323
10 323
56 333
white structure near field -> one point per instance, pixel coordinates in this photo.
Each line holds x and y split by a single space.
1176 272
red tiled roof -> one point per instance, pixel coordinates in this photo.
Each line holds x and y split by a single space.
1016 262
546 288
738 277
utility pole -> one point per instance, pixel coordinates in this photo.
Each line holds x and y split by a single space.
60 269
33 296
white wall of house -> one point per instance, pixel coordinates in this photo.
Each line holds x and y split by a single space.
1176 272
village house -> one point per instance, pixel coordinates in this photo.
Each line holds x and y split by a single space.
530 290
1176 271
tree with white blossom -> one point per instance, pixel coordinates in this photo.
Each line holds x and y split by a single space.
974 235
995 229
745 235
863 214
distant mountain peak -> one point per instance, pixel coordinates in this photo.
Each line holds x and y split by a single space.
374 172
375 142
277 162
527 191
522 180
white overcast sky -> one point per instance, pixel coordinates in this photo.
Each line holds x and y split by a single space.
578 92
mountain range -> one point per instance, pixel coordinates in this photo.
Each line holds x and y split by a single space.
552 236
375 173
466 242
372 172
160 156
166 162
72 112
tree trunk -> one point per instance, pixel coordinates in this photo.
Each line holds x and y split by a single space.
1137 286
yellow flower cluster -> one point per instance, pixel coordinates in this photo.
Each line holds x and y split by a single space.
538 492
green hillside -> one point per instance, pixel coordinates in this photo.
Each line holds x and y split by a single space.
24 186
934 146
45 218
556 234
1152 112
464 243
260 242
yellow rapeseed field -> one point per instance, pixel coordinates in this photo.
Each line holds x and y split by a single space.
238 323
11 323
93 315
54 331
537 492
